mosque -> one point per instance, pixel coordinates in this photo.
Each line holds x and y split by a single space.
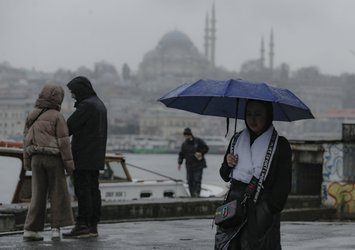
176 60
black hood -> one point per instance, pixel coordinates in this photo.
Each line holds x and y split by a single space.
81 87
269 115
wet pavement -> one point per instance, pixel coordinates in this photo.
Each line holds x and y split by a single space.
190 234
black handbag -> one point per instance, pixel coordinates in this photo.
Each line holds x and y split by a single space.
230 214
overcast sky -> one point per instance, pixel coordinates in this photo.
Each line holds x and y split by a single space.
52 34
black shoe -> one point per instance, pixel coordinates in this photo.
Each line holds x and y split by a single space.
93 231
79 231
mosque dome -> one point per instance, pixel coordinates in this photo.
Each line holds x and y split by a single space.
174 56
175 38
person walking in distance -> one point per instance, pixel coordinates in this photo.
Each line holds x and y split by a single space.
193 150
88 127
48 154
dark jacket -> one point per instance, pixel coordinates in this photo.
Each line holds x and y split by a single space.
277 185
88 126
189 148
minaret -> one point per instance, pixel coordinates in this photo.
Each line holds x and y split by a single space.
262 53
207 37
271 53
213 35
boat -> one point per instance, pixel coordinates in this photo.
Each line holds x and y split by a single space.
116 182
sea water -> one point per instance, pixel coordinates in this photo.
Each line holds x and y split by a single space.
166 165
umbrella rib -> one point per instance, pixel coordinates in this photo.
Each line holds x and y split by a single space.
229 82
285 113
207 103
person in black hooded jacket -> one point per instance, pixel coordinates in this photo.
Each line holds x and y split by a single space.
88 127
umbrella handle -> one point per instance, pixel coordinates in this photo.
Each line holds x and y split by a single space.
227 129
236 115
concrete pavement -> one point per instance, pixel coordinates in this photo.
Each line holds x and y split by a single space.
191 234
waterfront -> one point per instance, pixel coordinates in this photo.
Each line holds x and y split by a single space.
166 164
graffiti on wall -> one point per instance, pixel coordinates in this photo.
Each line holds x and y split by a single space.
333 162
340 195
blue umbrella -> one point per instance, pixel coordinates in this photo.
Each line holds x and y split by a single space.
227 98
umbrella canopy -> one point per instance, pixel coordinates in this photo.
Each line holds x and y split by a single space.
227 98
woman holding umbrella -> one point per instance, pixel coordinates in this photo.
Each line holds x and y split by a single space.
258 166
258 161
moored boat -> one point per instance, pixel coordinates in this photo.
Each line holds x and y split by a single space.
116 182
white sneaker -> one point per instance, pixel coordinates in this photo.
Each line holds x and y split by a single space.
55 234
31 236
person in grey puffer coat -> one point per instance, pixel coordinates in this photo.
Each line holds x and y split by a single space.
47 152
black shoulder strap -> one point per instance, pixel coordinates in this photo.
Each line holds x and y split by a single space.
265 164
40 113
234 141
